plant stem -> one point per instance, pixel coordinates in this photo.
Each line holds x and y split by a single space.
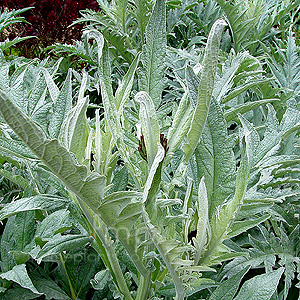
144 287
109 252
73 295
157 239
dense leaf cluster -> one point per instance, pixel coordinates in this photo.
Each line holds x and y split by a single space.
156 157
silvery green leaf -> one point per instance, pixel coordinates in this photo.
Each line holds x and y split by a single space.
286 70
224 83
17 87
244 87
181 124
16 239
62 107
228 288
192 81
83 85
74 130
43 202
151 77
149 123
15 149
205 88
19 275
37 92
125 87
101 279
157 160
120 180
163 203
291 119
214 159
98 145
17 179
261 286
51 85
261 150
97 35
165 248
24 223
108 98
115 204
57 222
55 156
239 227
203 221
187 204
224 215
232 114
8 245
37 95
61 243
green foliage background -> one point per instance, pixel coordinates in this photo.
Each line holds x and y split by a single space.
155 158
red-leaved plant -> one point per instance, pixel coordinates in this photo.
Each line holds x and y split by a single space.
49 22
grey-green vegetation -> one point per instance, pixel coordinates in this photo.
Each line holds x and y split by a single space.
168 168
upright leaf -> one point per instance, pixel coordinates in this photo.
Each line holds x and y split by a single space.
284 64
203 220
259 150
62 107
95 34
205 88
141 11
51 85
151 78
125 87
108 97
224 215
56 157
214 159
181 124
74 130
149 123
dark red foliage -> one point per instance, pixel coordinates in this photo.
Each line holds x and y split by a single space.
50 19
142 146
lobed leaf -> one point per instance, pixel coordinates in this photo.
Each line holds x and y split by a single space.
43 202
224 215
61 243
